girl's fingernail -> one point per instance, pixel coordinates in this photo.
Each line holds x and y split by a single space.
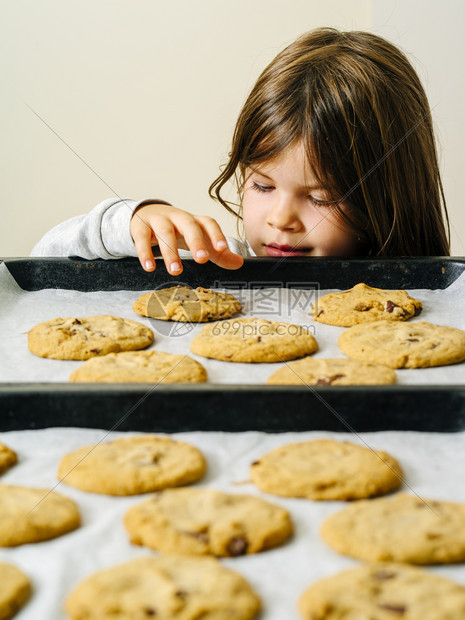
221 245
149 264
175 267
201 254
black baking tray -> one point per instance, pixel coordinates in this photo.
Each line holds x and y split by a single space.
218 407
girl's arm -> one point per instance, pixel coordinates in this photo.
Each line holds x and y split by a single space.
122 227
101 233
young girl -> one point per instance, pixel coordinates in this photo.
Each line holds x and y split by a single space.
333 154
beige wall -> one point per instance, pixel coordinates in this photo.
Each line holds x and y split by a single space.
146 93
431 33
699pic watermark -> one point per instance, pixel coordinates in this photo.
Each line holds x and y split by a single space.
257 329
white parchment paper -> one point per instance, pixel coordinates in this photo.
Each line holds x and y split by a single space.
433 464
20 310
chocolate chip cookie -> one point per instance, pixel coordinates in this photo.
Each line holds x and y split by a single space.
325 469
177 587
181 303
337 371
404 345
8 457
140 367
81 338
15 589
205 521
403 528
254 340
29 515
362 304
132 465
383 591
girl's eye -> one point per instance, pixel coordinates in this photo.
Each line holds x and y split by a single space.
321 203
261 188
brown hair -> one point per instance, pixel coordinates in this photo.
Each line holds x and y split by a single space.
358 105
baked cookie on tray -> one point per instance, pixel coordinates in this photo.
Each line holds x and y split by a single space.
132 465
403 528
254 340
177 587
383 591
81 338
325 469
140 367
337 371
8 457
207 522
29 515
404 345
181 303
363 303
15 589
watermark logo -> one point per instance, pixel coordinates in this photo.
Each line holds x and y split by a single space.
161 302
256 328
271 300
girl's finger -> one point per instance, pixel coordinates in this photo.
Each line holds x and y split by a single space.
195 238
213 233
220 254
165 236
142 236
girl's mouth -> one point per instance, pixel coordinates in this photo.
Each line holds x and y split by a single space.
283 250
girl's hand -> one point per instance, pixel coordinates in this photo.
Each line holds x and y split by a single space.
171 228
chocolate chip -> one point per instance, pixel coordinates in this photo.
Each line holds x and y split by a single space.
95 350
238 545
256 463
259 339
390 305
412 340
382 575
397 609
418 311
76 322
323 486
328 380
149 611
320 313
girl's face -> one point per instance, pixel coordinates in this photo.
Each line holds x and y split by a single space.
287 213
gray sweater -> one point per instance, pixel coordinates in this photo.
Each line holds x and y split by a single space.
104 233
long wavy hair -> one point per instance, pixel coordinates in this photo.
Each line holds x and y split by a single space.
357 105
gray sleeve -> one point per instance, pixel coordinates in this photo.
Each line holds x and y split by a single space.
104 232
239 247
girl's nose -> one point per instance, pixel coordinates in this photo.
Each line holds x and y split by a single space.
283 215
